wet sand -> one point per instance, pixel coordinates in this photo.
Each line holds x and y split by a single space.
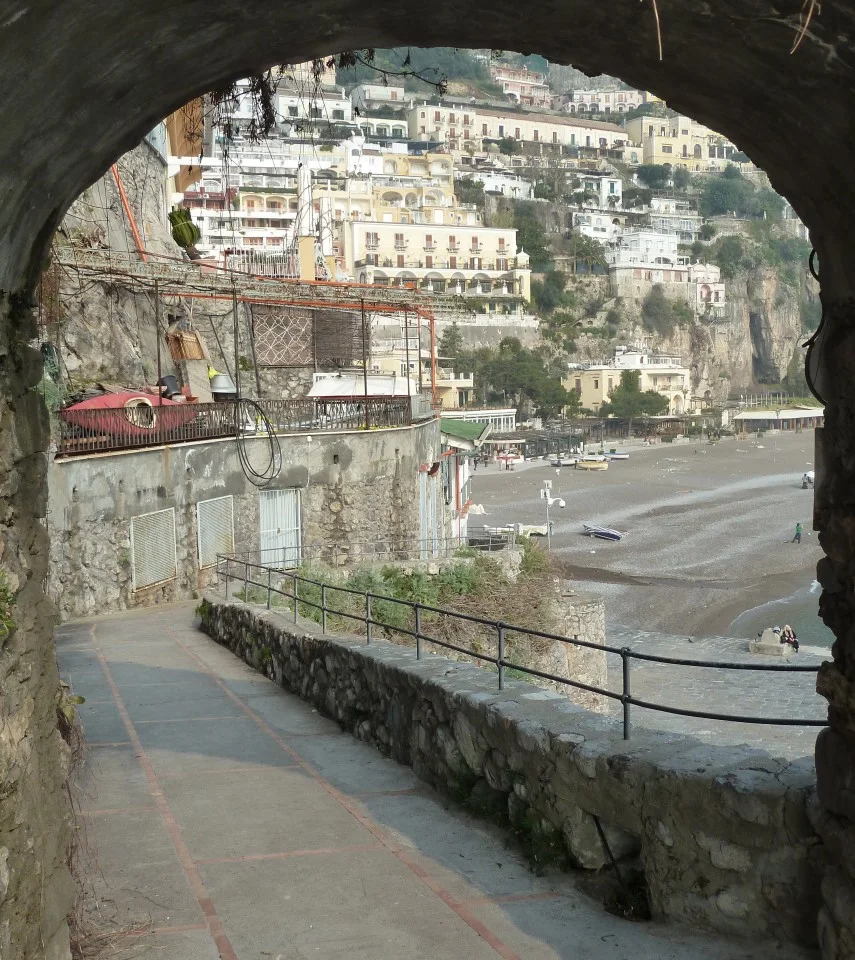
707 527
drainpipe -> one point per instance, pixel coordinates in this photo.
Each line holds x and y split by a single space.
129 213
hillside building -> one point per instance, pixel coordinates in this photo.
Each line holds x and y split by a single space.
593 383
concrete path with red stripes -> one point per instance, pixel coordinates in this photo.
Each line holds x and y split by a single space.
225 818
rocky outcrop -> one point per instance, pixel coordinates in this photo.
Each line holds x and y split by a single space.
36 890
752 345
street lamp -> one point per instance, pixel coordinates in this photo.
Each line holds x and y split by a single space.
546 494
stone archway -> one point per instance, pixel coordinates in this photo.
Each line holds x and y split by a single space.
86 101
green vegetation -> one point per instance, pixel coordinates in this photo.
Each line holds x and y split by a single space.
730 193
628 400
450 344
436 64
682 178
512 372
660 315
654 175
7 601
470 191
764 246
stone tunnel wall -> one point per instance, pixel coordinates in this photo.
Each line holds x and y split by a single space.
354 487
36 890
723 833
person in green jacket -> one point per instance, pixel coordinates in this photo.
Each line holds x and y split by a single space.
798 537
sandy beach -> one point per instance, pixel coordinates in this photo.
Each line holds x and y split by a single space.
708 527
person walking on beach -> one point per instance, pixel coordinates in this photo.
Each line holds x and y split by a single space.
798 536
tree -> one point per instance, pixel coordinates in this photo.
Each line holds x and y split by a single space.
549 293
708 231
531 237
451 343
654 175
508 145
682 178
627 399
729 254
589 252
660 315
731 193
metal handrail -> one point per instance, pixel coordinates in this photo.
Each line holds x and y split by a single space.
500 661
119 428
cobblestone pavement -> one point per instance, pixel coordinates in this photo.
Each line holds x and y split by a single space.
742 692
226 818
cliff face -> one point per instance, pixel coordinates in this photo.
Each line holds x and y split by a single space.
749 348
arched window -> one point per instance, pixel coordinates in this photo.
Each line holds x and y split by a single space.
698 152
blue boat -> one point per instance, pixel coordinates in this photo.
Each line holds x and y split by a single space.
603 533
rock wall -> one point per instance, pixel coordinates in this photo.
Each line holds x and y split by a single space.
353 486
36 889
722 832
752 344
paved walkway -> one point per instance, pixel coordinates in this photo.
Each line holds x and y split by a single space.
743 692
227 818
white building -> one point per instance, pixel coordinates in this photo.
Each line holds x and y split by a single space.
675 216
462 127
371 96
645 247
611 100
505 183
521 84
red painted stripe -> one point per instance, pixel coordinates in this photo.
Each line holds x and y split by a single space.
501 948
214 924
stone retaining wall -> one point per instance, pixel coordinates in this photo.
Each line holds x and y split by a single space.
722 832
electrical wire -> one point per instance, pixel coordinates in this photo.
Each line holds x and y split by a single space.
250 412
813 342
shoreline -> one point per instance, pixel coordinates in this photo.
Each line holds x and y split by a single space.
707 529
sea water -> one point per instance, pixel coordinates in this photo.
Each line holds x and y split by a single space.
800 611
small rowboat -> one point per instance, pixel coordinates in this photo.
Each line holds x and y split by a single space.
590 464
603 533
616 456
129 414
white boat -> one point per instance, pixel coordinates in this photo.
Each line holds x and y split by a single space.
616 456
603 533
564 461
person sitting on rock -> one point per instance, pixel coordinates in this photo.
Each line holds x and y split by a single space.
788 636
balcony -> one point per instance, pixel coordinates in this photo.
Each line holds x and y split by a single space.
95 431
401 244
453 247
476 249
430 247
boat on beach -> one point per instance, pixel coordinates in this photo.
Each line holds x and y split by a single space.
592 463
603 533
614 455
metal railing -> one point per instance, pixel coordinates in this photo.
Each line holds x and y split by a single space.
391 550
311 598
122 428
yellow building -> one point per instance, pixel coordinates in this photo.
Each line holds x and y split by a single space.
594 384
680 142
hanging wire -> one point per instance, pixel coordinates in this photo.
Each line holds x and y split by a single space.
813 342
249 412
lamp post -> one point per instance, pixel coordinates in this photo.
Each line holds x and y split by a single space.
546 494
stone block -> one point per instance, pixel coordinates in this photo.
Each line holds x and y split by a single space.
584 843
835 773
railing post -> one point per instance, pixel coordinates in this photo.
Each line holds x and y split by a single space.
296 593
323 608
418 609
500 628
246 581
228 561
269 572
368 618
625 657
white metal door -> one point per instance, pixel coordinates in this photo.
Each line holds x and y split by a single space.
428 541
280 522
